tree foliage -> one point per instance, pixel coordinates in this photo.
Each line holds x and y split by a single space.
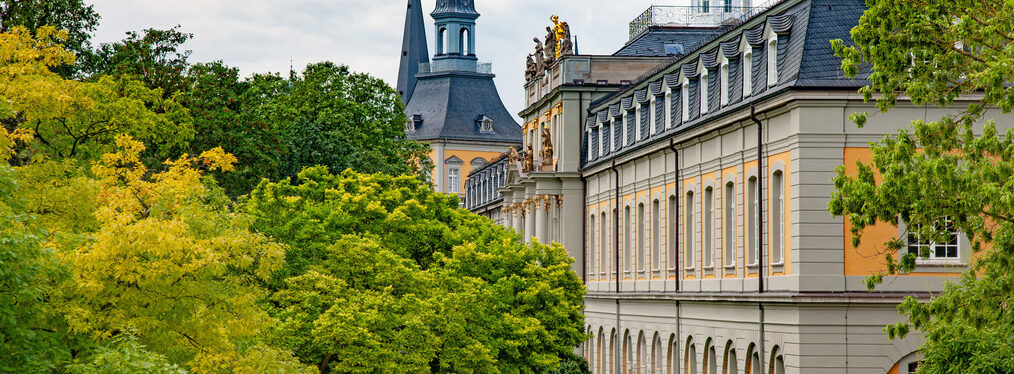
154 57
73 16
69 118
383 271
958 168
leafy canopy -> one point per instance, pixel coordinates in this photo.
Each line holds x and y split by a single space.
384 274
956 168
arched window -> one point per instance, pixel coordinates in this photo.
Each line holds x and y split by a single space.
712 360
441 40
748 71
777 217
656 225
704 91
640 237
707 226
729 363
628 354
656 355
777 364
753 365
688 232
463 43
600 356
671 238
729 216
603 243
685 100
725 83
611 354
626 239
752 221
772 61
642 354
592 241
673 356
690 361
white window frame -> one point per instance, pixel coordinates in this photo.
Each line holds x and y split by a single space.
752 230
689 234
652 121
637 122
729 222
625 124
724 72
748 71
685 99
455 176
708 225
703 81
958 262
772 54
776 212
668 106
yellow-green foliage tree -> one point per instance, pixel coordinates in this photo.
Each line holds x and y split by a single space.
69 118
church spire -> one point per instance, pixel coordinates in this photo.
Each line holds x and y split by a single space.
413 49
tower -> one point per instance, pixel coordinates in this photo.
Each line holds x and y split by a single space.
455 33
413 50
453 104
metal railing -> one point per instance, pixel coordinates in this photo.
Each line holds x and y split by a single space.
706 14
456 65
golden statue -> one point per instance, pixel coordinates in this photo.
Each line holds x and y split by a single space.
561 31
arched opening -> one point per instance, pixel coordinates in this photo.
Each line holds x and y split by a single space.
642 354
729 362
656 355
640 238
777 365
708 227
628 353
597 360
463 42
690 361
673 356
441 40
712 360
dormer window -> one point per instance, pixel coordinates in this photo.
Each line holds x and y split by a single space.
485 124
772 61
413 123
704 92
725 83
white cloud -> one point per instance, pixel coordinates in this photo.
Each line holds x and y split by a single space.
260 36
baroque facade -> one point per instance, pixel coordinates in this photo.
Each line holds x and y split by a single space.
702 231
451 101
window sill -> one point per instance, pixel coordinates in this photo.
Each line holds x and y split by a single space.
692 268
730 267
752 266
939 266
709 268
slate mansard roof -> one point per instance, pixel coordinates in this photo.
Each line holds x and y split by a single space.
451 105
803 29
652 41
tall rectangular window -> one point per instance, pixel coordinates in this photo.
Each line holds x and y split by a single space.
777 218
730 224
724 97
688 227
747 71
626 239
656 225
604 246
592 241
707 226
640 237
685 100
772 61
751 221
671 238
704 92
453 180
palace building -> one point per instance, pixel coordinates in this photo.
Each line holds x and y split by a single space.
451 101
692 191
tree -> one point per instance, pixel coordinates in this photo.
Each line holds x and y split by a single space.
68 118
155 57
381 270
172 263
78 19
229 113
955 171
344 120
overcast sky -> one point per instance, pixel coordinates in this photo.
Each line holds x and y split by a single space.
260 36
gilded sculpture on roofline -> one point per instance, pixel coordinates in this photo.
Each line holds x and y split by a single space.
557 44
547 147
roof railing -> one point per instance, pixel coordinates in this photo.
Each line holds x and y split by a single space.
703 15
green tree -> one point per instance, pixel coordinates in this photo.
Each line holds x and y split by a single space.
232 113
78 19
379 266
153 56
345 120
958 168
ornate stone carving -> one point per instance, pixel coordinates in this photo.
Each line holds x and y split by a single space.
512 156
531 69
550 47
547 147
559 201
528 160
540 57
